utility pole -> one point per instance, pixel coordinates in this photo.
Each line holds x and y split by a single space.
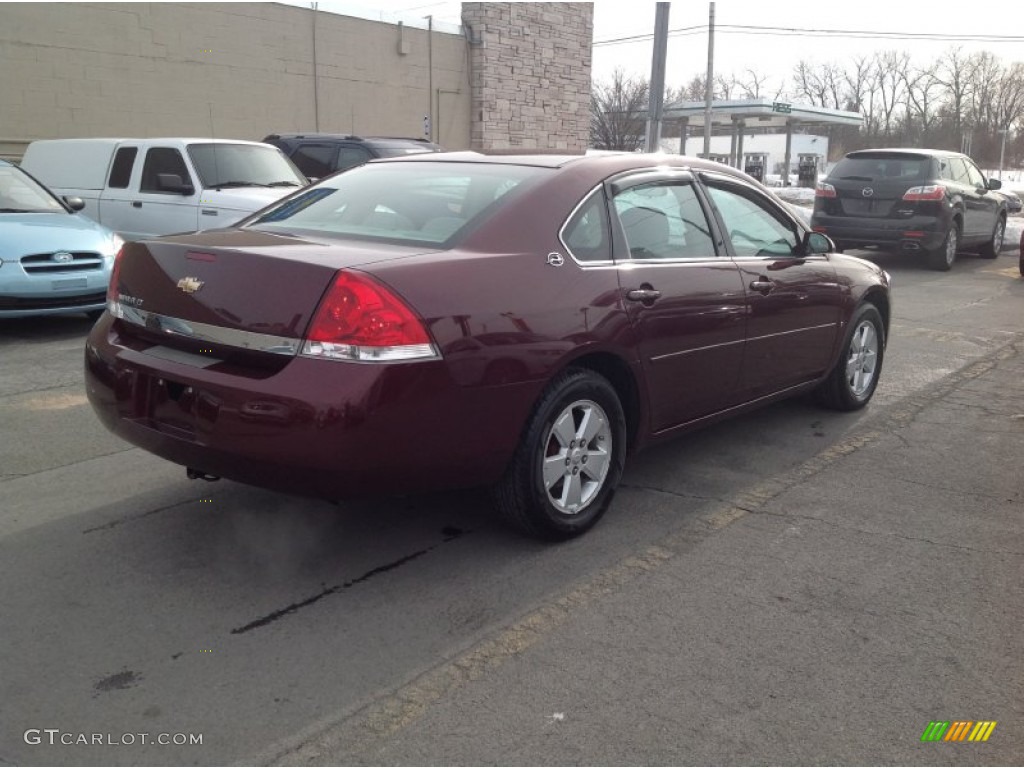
709 88
1002 151
656 95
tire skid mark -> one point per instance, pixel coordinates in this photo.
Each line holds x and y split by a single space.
359 729
449 533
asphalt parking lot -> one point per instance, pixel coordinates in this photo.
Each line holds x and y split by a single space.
792 587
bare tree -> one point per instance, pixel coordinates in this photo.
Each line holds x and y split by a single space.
889 69
922 91
618 113
954 75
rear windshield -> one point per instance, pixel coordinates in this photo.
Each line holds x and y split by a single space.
422 202
882 165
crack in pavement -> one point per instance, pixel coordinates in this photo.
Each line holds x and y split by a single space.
141 515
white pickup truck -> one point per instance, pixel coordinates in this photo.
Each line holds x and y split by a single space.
148 187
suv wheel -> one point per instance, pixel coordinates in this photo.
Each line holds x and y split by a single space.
991 249
942 258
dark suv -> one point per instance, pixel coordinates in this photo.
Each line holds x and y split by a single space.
918 200
320 154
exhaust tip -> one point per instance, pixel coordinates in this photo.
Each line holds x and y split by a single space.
198 474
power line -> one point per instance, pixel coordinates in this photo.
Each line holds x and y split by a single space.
746 29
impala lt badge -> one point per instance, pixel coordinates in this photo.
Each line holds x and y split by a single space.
190 284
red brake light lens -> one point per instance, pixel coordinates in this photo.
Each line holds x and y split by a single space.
824 190
360 319
927 192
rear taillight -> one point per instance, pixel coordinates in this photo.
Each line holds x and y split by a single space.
115 274
824 190
927 192
360 319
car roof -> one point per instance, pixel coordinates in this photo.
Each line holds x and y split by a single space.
343 137
606 165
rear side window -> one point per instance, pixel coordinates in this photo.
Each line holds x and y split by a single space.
881 166
586 233
350 157
121 171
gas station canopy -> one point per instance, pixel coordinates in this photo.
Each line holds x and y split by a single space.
759 113
739 117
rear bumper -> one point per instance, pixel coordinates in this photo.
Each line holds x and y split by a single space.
851 232
317 428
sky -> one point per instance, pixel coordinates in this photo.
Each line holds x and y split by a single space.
773 53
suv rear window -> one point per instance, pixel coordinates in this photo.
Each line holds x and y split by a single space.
878 166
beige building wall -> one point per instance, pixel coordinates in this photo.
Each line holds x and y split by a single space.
231 70
530 75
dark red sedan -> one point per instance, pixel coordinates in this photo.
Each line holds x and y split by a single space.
449 321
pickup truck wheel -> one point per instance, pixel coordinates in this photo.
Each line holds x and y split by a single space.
942 258
991 249
564 472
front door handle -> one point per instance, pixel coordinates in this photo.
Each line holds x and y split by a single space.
136 204
646 295
763 285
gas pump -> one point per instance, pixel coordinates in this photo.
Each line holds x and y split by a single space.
754 166
807 171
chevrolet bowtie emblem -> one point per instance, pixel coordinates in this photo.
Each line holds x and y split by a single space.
190 284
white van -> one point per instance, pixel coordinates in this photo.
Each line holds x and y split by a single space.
148 187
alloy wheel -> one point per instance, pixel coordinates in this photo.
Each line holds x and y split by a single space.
862 359
577 455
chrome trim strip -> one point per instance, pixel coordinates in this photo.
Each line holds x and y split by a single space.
742 341
231 337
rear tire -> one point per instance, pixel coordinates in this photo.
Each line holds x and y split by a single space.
992 248
565 471
852 382
942 258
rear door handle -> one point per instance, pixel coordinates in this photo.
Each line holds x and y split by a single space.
643 294
762 285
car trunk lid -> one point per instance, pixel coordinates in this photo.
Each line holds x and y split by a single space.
243 289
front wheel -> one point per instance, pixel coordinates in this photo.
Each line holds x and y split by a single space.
852 382
564 472
942 258
992 248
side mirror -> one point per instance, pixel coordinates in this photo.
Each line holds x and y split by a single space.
995 184
171 182
74 203
817 242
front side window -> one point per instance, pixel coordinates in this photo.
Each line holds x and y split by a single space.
417 202
974 177
751 225
159 161
664 220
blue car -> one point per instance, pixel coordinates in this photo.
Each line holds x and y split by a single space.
53 261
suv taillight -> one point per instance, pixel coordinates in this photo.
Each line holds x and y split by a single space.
824 190
360 319
927 192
